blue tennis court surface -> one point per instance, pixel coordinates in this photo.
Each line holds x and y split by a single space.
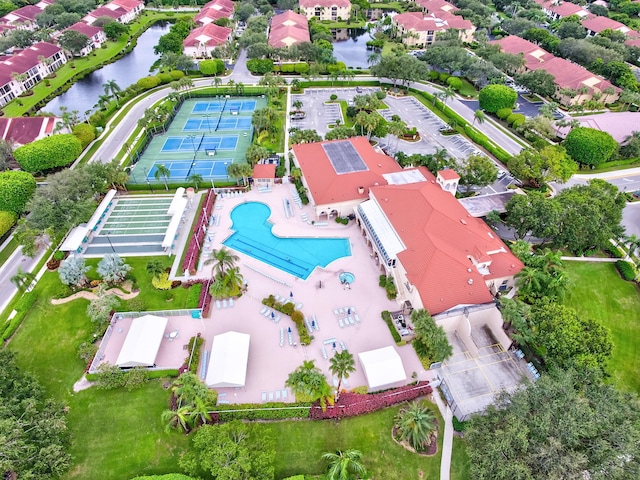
224 105
213 124
183 168
193 144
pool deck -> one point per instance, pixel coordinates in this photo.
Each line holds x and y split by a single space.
269 364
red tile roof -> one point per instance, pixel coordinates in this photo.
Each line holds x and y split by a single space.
128 5
27 13
287 29
326 186
597 24
214 10
449 174
107 12
23 130
210 34
324 3
24 60
440 236
264 170
433 6
562 9
85 29
438 21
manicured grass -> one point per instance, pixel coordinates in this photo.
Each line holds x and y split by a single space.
83 65
597 291
467 89
7 251
300 446
460 462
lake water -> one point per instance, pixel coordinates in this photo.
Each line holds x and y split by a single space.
350 46
83 95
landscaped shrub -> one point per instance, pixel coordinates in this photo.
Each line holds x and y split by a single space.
353 404
433 75
380 95
626 270
287 68
195 358
386 316
85 133
301 68
211 67
261 411
333 97
7 220
176 74
48 153
494 97
297 317
16 189
459 426
388 284
455 83
503 113
483 141
193 297
193 250
589 146
164 78
26 302
147 83
260 66
161 282
516 119
613 250
443 77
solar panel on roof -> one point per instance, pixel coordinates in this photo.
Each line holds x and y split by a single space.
344 157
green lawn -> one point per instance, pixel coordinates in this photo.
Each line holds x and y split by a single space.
460 462
596 290
7 251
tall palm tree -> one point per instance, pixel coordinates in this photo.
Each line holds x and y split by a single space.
155 268
181 419
344 465
480 116
447 94
341 365
415 424
397 128
164 172
222 259
234 279
216 83
243 170
111 87
196 179
187 84
22 279
308 383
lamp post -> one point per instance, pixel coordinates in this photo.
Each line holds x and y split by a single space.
207 116
150 186
193 144
107 233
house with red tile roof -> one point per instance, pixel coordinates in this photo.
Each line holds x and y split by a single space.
557 9
568 75
22 130
264 175
333 10
439 256
21 71
595 24
417 29
123 11
288 28
23 18
95 34
203 39
214 10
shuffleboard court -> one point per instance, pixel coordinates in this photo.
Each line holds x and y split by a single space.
181 169
244 106
213 124
195 143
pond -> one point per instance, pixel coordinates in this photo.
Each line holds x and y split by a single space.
350 46
83 95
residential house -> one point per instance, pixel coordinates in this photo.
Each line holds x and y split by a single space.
417 29
333 10
595 24
95 34
214 10
288 28
21 71
439 256
557 9
568 75
123 11
23 18
22 130
203 39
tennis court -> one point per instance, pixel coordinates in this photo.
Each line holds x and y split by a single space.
226 105
195 143
209 124
182 169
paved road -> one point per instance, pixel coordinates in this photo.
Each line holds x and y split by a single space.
9 269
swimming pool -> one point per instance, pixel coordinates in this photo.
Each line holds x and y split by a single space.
298 256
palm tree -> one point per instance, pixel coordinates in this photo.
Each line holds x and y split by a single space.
196 179
344 465
234 279
397 128
22 279
112 88
181 419
243 170
164 172
308 383
186 83
297 104
216 83
342 365
480 116
155 268
222 258
415 424
446 95
374 58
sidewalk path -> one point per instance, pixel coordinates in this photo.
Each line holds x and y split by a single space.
590 259
447 442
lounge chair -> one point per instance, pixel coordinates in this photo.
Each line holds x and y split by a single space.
342 346
271 396
341 311
284 394
218 304
231 303
264 396
278 298
351 322
324 353
264 309
335 311
277 394
341 323
267 313
277 319
299 306
224 303
357 318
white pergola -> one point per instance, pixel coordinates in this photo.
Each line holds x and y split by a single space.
382 367
228 362
141 346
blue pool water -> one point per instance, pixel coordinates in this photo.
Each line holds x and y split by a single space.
347 277
298 256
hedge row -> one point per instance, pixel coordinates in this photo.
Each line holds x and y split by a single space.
151 374
386 316
190 262
626 269
7 220
48 153
260 411
193 297
23 307
288 308
195 359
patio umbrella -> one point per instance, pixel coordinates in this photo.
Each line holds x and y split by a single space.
289 330
291 294
273 315
348 311
313 323
334 345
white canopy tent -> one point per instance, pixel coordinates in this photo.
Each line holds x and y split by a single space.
74 240
382 367
143 342
228 363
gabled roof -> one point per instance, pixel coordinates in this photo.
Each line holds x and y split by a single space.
324 3
264 170
214 10
440 236
287 29
210 35
23 14
597 24
433 6
142 343
438 21
105 11
562 8
127 5
23 130
448 174
327 186
85 29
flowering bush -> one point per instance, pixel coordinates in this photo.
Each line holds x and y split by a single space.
352 404
199 229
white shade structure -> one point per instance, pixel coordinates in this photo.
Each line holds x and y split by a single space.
228 362
382 367
142 343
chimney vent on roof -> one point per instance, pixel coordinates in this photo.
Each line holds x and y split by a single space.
360 190
470 281
463 221
469 270
380 165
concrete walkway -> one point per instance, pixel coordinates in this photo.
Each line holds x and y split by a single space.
590 259
447 441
